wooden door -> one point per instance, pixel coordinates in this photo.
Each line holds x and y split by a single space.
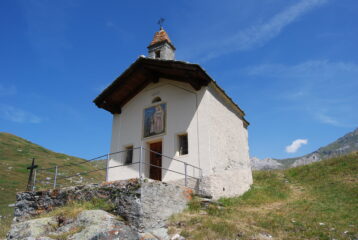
155 171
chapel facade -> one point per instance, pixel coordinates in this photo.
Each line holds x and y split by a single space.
178 114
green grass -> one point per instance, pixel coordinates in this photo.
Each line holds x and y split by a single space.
16 155
316 201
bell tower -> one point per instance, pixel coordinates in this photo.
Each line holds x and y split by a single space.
161 47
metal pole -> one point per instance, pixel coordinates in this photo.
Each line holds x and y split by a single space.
185 172
107 167
140 162
55 178
34 182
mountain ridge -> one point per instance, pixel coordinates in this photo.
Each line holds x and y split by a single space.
342 146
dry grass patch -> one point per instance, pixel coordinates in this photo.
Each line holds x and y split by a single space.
72 209
66 235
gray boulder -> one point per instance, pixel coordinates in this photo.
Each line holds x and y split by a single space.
89 225
31 229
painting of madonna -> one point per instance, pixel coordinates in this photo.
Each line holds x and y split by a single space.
154 120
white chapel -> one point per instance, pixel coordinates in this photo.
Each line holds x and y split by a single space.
171 118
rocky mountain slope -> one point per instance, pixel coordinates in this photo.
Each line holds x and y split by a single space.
265 164
342 146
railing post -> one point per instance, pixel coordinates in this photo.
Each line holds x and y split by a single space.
107 167
140 162
34 182
55 177
186 172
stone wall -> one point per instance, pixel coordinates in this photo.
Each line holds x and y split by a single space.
144 205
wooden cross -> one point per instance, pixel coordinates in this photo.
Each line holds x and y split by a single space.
31 168
160 23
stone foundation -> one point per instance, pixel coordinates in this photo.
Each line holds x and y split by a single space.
144 205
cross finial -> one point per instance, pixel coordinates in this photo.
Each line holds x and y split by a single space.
160 23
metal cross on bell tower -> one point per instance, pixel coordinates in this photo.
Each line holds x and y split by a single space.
160 23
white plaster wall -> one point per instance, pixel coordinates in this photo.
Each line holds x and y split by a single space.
218 141
227 183
181 117
223 146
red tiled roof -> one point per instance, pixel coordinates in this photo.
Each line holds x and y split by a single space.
160 36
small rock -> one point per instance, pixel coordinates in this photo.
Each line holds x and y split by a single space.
177 237
148 236
161 233
322 224
264 236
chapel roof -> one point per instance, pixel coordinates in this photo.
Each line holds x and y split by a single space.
148 70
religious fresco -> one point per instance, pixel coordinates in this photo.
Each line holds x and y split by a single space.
154 120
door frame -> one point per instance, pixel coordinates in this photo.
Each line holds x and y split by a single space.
147 157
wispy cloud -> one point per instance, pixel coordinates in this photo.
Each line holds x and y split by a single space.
120 30
47 24
7 90
323 89
257 35
295 145
327 119
17 115
321 68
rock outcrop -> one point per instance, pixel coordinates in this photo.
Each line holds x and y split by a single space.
265 164
90 224
144 206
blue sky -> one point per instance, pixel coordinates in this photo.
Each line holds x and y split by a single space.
291 65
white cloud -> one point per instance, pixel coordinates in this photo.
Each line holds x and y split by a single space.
295 145
18 115
258 35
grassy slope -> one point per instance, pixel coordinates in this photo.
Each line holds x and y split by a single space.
316 201
16 154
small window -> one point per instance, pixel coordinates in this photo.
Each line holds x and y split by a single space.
157 54
156 99
129 155
183 144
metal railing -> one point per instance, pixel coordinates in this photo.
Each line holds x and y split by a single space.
72 174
